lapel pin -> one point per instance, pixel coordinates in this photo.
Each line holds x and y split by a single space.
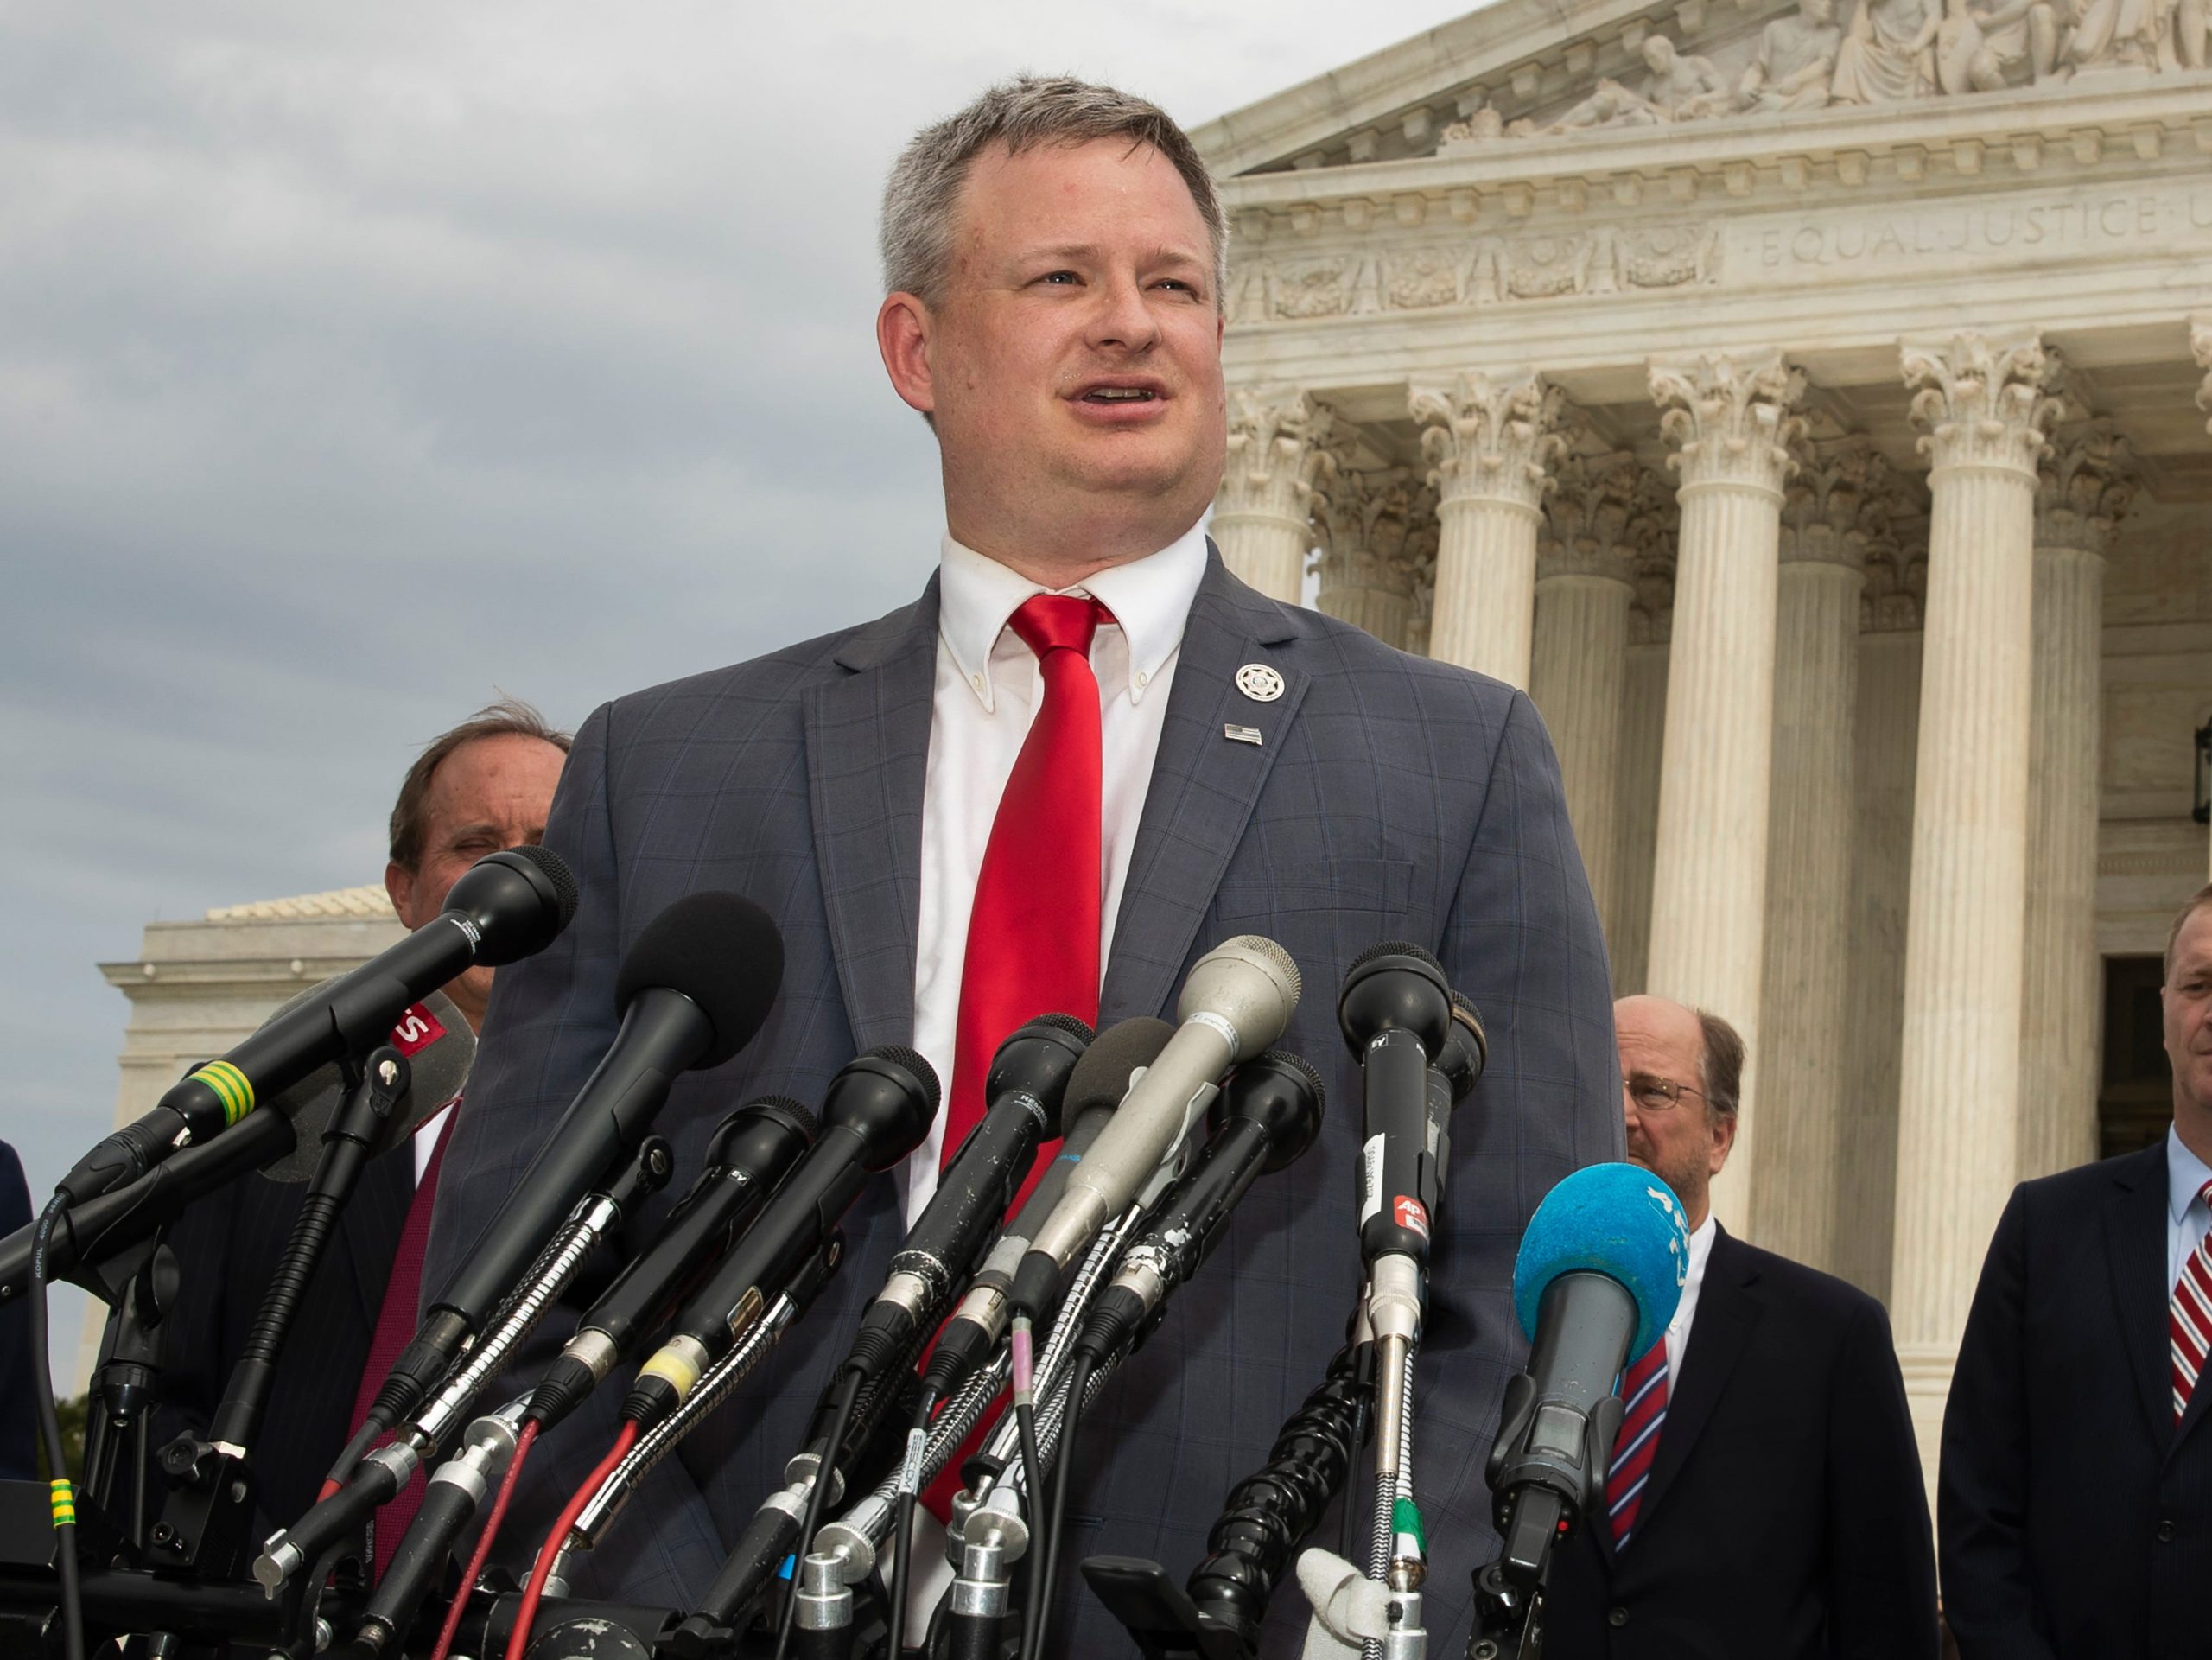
1241 733
1259 682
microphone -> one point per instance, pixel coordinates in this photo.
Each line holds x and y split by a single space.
505 906
692 990
876 1112
1237 1000
1026 1086
285 1145
1096 1086
1599 1272
1395 1011
750 1153
1267 1115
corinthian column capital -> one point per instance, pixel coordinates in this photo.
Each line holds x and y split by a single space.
1278 454
1981 402
1606 514
2084 487
1839 504
1489 439
1730 419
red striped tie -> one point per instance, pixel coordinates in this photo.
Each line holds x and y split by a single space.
2189 1318
1645 1390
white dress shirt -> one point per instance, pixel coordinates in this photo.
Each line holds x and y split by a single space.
2187 1220
989 684
1678 1329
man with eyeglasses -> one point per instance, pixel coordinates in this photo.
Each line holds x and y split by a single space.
1764 1500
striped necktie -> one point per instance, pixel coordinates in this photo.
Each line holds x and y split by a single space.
1644 1390
2189 1318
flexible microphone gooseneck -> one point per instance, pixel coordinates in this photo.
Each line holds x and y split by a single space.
505 906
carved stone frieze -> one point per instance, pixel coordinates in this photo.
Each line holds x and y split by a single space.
1278 452
1608 515
1488 438
1979 402
1731 420
1483 270
2084 487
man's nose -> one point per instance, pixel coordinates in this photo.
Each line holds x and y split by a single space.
1123 319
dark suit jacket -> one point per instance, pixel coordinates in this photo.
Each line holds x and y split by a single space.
227 1247
2076 1518
1390 798
1785 1517
18 1407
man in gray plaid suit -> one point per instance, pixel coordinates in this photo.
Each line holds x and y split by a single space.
1054 254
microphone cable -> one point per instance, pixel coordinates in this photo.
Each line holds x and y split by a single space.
1046 1566
549 1552
447 1631
62 1496
841 1417
1033 1485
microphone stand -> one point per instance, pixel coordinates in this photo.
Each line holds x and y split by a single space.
206 1525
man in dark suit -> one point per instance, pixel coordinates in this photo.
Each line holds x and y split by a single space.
1764 1501
2076 1497
486 785
1054 258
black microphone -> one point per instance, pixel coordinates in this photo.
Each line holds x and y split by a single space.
750 1153
504 906
876 1112
1026 1087
1266 1115
1096 1086
1396 1011
692 990
283 1144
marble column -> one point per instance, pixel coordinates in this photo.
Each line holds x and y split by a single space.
2200 343
1604 510
1730 422
1370 523
2084 487
1841 488
1263 516
1984 409
1490 446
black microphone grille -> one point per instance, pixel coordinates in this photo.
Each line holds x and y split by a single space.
789 1108
1079 1029
555 870
719 950
1100 1078
1397 948
1299 1064
912 1059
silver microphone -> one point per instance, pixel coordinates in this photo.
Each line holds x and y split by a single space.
1237 1000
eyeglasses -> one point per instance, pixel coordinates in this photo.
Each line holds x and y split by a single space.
1659 1094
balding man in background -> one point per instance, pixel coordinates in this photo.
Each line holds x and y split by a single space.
1764 1501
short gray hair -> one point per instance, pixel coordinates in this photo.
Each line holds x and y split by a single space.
916 236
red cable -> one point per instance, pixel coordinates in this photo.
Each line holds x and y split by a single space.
451 1628
526 1616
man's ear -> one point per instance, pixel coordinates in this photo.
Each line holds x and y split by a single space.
399 888
903 330
1724 1141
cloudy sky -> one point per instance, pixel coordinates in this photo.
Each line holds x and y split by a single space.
359 362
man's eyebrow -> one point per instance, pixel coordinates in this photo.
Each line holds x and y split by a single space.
1162 255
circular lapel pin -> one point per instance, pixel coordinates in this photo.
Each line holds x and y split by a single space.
1259 682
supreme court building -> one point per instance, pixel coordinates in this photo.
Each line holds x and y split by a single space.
1807 406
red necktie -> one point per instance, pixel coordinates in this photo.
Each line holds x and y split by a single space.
1644 1390
1032 938
2189 1318
396 1322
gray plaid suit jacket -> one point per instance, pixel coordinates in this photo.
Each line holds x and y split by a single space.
1390 798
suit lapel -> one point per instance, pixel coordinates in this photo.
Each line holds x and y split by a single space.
1203 786
1726 1311
868 741
369 1226
2135 1249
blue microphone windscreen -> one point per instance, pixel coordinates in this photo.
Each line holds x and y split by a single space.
1613 1220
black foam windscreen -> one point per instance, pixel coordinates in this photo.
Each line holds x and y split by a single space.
440 1067
721 950
1100 1078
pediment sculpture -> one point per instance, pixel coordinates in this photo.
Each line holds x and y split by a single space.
1892 51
